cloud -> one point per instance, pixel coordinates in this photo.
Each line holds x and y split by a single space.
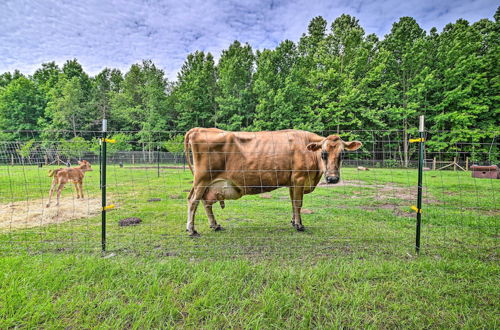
118 33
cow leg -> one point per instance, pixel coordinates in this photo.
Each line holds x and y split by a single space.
297 195
195 196
293 209
51 191
210 214
59 189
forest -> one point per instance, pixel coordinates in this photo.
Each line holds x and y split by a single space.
335 78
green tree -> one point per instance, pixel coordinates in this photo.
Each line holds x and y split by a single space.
235 98
140 104
68 110
405 44
193 96
21 105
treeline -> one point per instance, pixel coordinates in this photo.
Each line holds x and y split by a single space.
336 78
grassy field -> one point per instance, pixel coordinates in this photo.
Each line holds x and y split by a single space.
354 266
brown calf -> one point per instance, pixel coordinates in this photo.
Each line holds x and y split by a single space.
63 175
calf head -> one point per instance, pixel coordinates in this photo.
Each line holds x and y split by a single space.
331 155
84 165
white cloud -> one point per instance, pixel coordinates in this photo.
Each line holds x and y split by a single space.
118 33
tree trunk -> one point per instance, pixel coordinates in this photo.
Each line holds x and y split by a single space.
405 143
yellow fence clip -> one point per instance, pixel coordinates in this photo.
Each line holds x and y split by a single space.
109 207
416 209
108 140
417 140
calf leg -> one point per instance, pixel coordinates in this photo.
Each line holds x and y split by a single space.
210 214
194 199
59 189
80 185
51 191
297 195
77 190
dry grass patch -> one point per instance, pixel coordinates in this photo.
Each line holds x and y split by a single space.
33 213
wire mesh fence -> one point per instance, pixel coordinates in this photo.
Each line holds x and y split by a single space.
148 182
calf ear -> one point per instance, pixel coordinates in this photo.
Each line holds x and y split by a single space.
353 145
313 146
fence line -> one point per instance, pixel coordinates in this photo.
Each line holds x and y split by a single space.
366 210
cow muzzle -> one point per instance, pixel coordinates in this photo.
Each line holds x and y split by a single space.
332 179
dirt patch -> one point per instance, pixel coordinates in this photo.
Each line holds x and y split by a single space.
306 211
343 183
154 200
33 213
175 197
129 221
265 195
384 191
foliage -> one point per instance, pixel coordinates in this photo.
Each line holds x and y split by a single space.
334 79
175 144
75 147
26 148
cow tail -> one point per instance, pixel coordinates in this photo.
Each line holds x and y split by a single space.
186 151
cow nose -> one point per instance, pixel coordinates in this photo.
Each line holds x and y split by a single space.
332 179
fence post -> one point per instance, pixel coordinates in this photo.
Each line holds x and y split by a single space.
421 145
158 158
103 186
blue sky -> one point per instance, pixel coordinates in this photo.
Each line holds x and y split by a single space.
118 33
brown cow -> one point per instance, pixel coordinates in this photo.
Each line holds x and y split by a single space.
228 165
63 175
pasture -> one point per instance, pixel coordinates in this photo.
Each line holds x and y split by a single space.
354 266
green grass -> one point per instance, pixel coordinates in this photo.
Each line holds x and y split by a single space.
353 267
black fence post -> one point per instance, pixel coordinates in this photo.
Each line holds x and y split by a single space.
158 159
421 144
103 186
100 163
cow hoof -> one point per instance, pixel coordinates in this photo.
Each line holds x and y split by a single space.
300 227
48 205
194 233
217 228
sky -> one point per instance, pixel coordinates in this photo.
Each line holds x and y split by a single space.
119 33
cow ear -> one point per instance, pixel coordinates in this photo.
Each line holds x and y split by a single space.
313 146
353 145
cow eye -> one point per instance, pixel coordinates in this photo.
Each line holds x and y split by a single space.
324 155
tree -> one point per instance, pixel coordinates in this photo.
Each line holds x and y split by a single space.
193 96
235 99
405 44
21 106
106 82
140 105
68 110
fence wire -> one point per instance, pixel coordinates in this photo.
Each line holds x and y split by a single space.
148 181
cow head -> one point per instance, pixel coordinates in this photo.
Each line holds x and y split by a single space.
84 165
331 155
